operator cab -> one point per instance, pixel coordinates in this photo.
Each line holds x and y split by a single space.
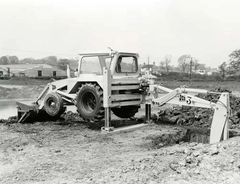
120 63
124 64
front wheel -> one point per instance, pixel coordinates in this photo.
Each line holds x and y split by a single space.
53 105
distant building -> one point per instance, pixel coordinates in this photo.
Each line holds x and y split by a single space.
150 68
31 70
201 72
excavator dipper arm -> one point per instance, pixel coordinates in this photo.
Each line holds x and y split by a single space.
184 97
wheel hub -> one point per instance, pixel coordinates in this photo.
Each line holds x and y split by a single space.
89 102
52 104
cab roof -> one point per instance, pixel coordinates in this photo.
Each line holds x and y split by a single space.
109 54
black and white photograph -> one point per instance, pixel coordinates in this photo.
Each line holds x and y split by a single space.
119 91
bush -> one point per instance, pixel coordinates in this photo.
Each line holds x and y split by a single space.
233 78
177 76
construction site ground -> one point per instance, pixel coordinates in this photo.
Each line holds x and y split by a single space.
76 152
72 151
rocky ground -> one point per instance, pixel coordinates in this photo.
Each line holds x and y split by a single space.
181 163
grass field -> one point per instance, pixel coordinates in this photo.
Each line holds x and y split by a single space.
210 85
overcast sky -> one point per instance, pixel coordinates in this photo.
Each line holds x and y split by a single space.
208 30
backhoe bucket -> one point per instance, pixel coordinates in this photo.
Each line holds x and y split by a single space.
27 111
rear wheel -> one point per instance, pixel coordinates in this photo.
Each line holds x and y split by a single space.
53 105
90 102
126 111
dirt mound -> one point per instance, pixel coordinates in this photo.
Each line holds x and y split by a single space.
201 117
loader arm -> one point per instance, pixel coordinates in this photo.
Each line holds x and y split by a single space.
185 97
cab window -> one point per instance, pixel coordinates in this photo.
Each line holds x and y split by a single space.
126 64
91 65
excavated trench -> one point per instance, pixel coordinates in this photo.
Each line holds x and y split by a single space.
177 135
183 134
202 135
199 135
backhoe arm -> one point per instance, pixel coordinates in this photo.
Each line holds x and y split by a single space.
184 97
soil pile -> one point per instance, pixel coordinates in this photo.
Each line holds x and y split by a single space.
201 117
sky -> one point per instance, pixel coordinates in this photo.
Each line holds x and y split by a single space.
208 30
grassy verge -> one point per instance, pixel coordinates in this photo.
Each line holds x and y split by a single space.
209 85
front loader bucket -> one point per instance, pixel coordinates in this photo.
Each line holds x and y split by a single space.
27 111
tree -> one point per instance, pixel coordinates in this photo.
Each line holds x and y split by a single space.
27 61
51 60
183 62
73 63
195 64
235 59
162 66
4 60
62 64
202 66
13 60
165 63
223 69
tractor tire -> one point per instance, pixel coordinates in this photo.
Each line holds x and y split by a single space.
53 105
90 102
126 111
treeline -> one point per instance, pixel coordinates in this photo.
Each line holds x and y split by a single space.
231 67
51 60
187 64
180 76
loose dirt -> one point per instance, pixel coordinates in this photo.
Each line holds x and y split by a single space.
77 152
